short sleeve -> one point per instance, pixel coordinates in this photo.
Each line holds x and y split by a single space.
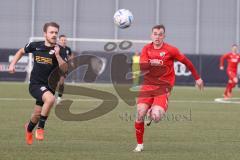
29 48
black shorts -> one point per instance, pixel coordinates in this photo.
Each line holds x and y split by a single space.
37 91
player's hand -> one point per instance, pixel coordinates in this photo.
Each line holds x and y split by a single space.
11 68
199 84
155 62
57 50
72 64
221 68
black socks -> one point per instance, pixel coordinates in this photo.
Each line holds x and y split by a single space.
42 121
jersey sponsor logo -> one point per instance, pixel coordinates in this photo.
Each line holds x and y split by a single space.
51 52
235 60
181 69
67 51
156 62
43 60
38 49
43 88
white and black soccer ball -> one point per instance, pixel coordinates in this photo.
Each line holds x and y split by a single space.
123 18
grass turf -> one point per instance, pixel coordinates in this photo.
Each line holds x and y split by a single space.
194 128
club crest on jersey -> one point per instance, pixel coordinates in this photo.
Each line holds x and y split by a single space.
162 54
51 52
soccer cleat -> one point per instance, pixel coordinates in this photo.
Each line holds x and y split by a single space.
39 134
28 135
59 99
148 119
229 95
139 148
148 122
226 97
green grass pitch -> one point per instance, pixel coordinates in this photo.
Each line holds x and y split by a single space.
195 128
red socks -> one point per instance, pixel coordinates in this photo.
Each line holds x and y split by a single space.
139 126
231 87
228 88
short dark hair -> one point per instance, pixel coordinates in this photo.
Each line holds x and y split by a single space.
62 35
159 27
53 24
234 45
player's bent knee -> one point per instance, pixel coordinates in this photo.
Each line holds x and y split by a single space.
140 115
141 111
235 80
156 118
50 100
157 113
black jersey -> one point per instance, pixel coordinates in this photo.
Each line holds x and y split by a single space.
44 61
65 52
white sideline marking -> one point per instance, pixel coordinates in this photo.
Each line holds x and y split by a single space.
216 100
88 100
229 100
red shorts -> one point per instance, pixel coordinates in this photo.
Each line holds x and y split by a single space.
148 96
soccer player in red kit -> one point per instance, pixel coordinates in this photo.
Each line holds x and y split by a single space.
233 59
157 63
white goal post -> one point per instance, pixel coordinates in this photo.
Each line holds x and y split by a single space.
31 39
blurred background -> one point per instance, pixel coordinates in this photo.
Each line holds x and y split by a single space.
201 29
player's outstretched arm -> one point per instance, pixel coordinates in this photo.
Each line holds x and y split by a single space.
18 55
62 64
222 58
183 59
190 66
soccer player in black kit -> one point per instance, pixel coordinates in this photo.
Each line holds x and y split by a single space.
46 58
66 54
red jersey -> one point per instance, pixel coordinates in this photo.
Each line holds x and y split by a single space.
232 58
166 55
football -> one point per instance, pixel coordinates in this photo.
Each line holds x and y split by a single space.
123 18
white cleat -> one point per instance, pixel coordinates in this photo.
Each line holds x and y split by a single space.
139 148
59 99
